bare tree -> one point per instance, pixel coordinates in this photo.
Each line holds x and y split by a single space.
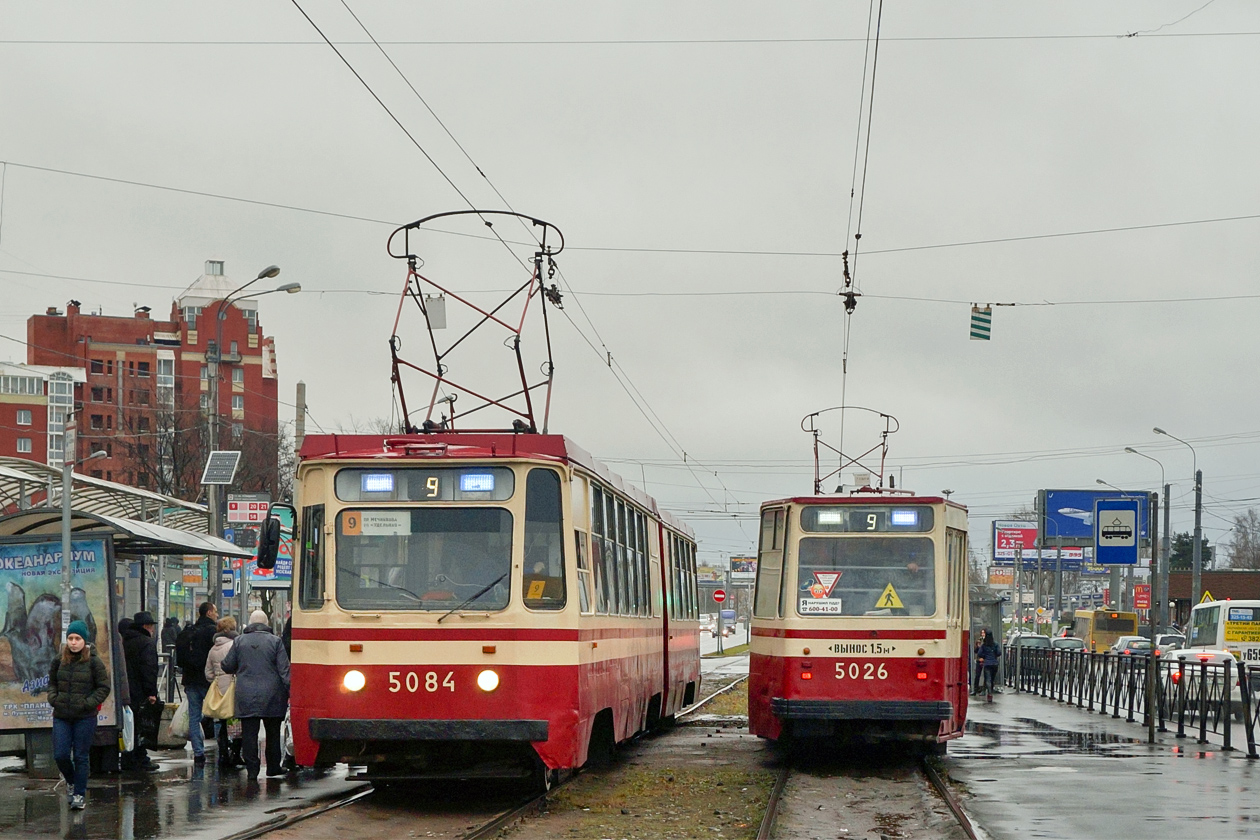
1244 546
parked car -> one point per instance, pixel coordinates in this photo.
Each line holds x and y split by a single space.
1213 657
1029 640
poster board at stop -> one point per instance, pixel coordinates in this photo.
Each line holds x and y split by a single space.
1142 596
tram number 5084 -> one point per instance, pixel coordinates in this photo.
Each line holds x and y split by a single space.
861 671
432 681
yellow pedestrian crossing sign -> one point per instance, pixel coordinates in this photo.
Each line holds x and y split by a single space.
888 599
1207 596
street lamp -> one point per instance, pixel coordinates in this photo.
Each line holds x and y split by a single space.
216 526
1196 560
1161 576
67 473
947 494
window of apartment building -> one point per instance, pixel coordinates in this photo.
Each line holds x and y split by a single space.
140 396
131 368
24 417
205 372
238 376
21 385
109 421
98 366
251 318
238 402
142 425
98 421
142 369
143 450
97 474
205 402
109 449
233 349
23 445
98 395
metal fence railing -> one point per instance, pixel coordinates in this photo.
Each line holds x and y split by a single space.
1191 696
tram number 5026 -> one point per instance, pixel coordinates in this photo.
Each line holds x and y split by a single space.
432 681
861 671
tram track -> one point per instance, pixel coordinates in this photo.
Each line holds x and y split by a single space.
767 828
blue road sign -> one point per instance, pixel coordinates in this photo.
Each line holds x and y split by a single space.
1116 532
1070 513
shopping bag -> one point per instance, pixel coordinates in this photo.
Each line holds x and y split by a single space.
179 720
127 732
220 704
148 724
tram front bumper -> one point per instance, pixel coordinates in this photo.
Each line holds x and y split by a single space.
861 709
354 729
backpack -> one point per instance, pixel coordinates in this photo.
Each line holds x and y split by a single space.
184 647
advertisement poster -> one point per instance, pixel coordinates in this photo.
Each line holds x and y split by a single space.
30 627
281 577
743 569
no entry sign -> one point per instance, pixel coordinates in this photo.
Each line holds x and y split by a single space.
719 595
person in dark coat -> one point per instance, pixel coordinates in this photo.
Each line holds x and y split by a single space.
78 684
192 646
170 630
261 666
140 651
990 655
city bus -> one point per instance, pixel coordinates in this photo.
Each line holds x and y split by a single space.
1227 625
1102 628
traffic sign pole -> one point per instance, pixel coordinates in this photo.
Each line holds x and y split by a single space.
719 595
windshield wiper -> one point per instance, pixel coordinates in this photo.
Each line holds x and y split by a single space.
481 592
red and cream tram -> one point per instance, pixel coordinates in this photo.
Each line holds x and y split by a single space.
859 628
481 605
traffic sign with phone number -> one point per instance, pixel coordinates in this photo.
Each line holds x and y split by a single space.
719 595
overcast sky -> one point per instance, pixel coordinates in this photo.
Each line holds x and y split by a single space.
654 134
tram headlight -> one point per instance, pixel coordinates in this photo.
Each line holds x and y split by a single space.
354 680
487 680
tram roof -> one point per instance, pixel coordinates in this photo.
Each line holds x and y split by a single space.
476 446
866 499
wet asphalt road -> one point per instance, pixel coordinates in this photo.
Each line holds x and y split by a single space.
1036 769
181 801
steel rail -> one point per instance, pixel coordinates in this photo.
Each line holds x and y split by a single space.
492 828
765 830
694 706
939 785
286 820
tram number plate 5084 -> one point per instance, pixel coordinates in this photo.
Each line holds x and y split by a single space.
861 671
413 680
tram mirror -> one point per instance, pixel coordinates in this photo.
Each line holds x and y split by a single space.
269 535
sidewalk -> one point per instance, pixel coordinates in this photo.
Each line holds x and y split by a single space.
1035 767
181 801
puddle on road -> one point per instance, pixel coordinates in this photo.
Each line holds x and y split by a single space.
1034 737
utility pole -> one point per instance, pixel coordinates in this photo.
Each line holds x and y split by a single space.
299 422
214 586
1163 561
1196 568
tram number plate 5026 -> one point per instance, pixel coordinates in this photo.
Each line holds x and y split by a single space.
861 671
413 680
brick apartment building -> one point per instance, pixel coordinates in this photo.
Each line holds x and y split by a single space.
34 401
142 388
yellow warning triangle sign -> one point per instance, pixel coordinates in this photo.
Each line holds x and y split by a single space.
888 598
1207 596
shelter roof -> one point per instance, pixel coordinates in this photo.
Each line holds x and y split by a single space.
130 536
29 484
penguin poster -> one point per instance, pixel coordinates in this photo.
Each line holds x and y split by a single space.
30 623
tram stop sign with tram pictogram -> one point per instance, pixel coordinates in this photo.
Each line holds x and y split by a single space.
719 595
1116 531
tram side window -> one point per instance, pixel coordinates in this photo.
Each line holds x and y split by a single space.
619 552
956 542
671 575
645 565
543 579
311 571
584 571
693 593
597 550
769 566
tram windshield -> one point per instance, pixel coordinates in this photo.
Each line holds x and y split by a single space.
424 558
892 576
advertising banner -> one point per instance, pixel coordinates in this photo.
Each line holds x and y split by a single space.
1012 534
1141 596
281 577
1070 513
743 569
30 577
1001 578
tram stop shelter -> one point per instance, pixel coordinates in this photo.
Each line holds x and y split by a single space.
31 590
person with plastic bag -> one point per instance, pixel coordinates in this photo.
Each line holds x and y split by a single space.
140 651
261 667
192 646
78 683
223 689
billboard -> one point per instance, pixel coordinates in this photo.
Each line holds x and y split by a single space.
30 638
1012 534
1070 513
743 569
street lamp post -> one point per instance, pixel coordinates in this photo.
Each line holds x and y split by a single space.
1161 572
67 479
215 584
1196 559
